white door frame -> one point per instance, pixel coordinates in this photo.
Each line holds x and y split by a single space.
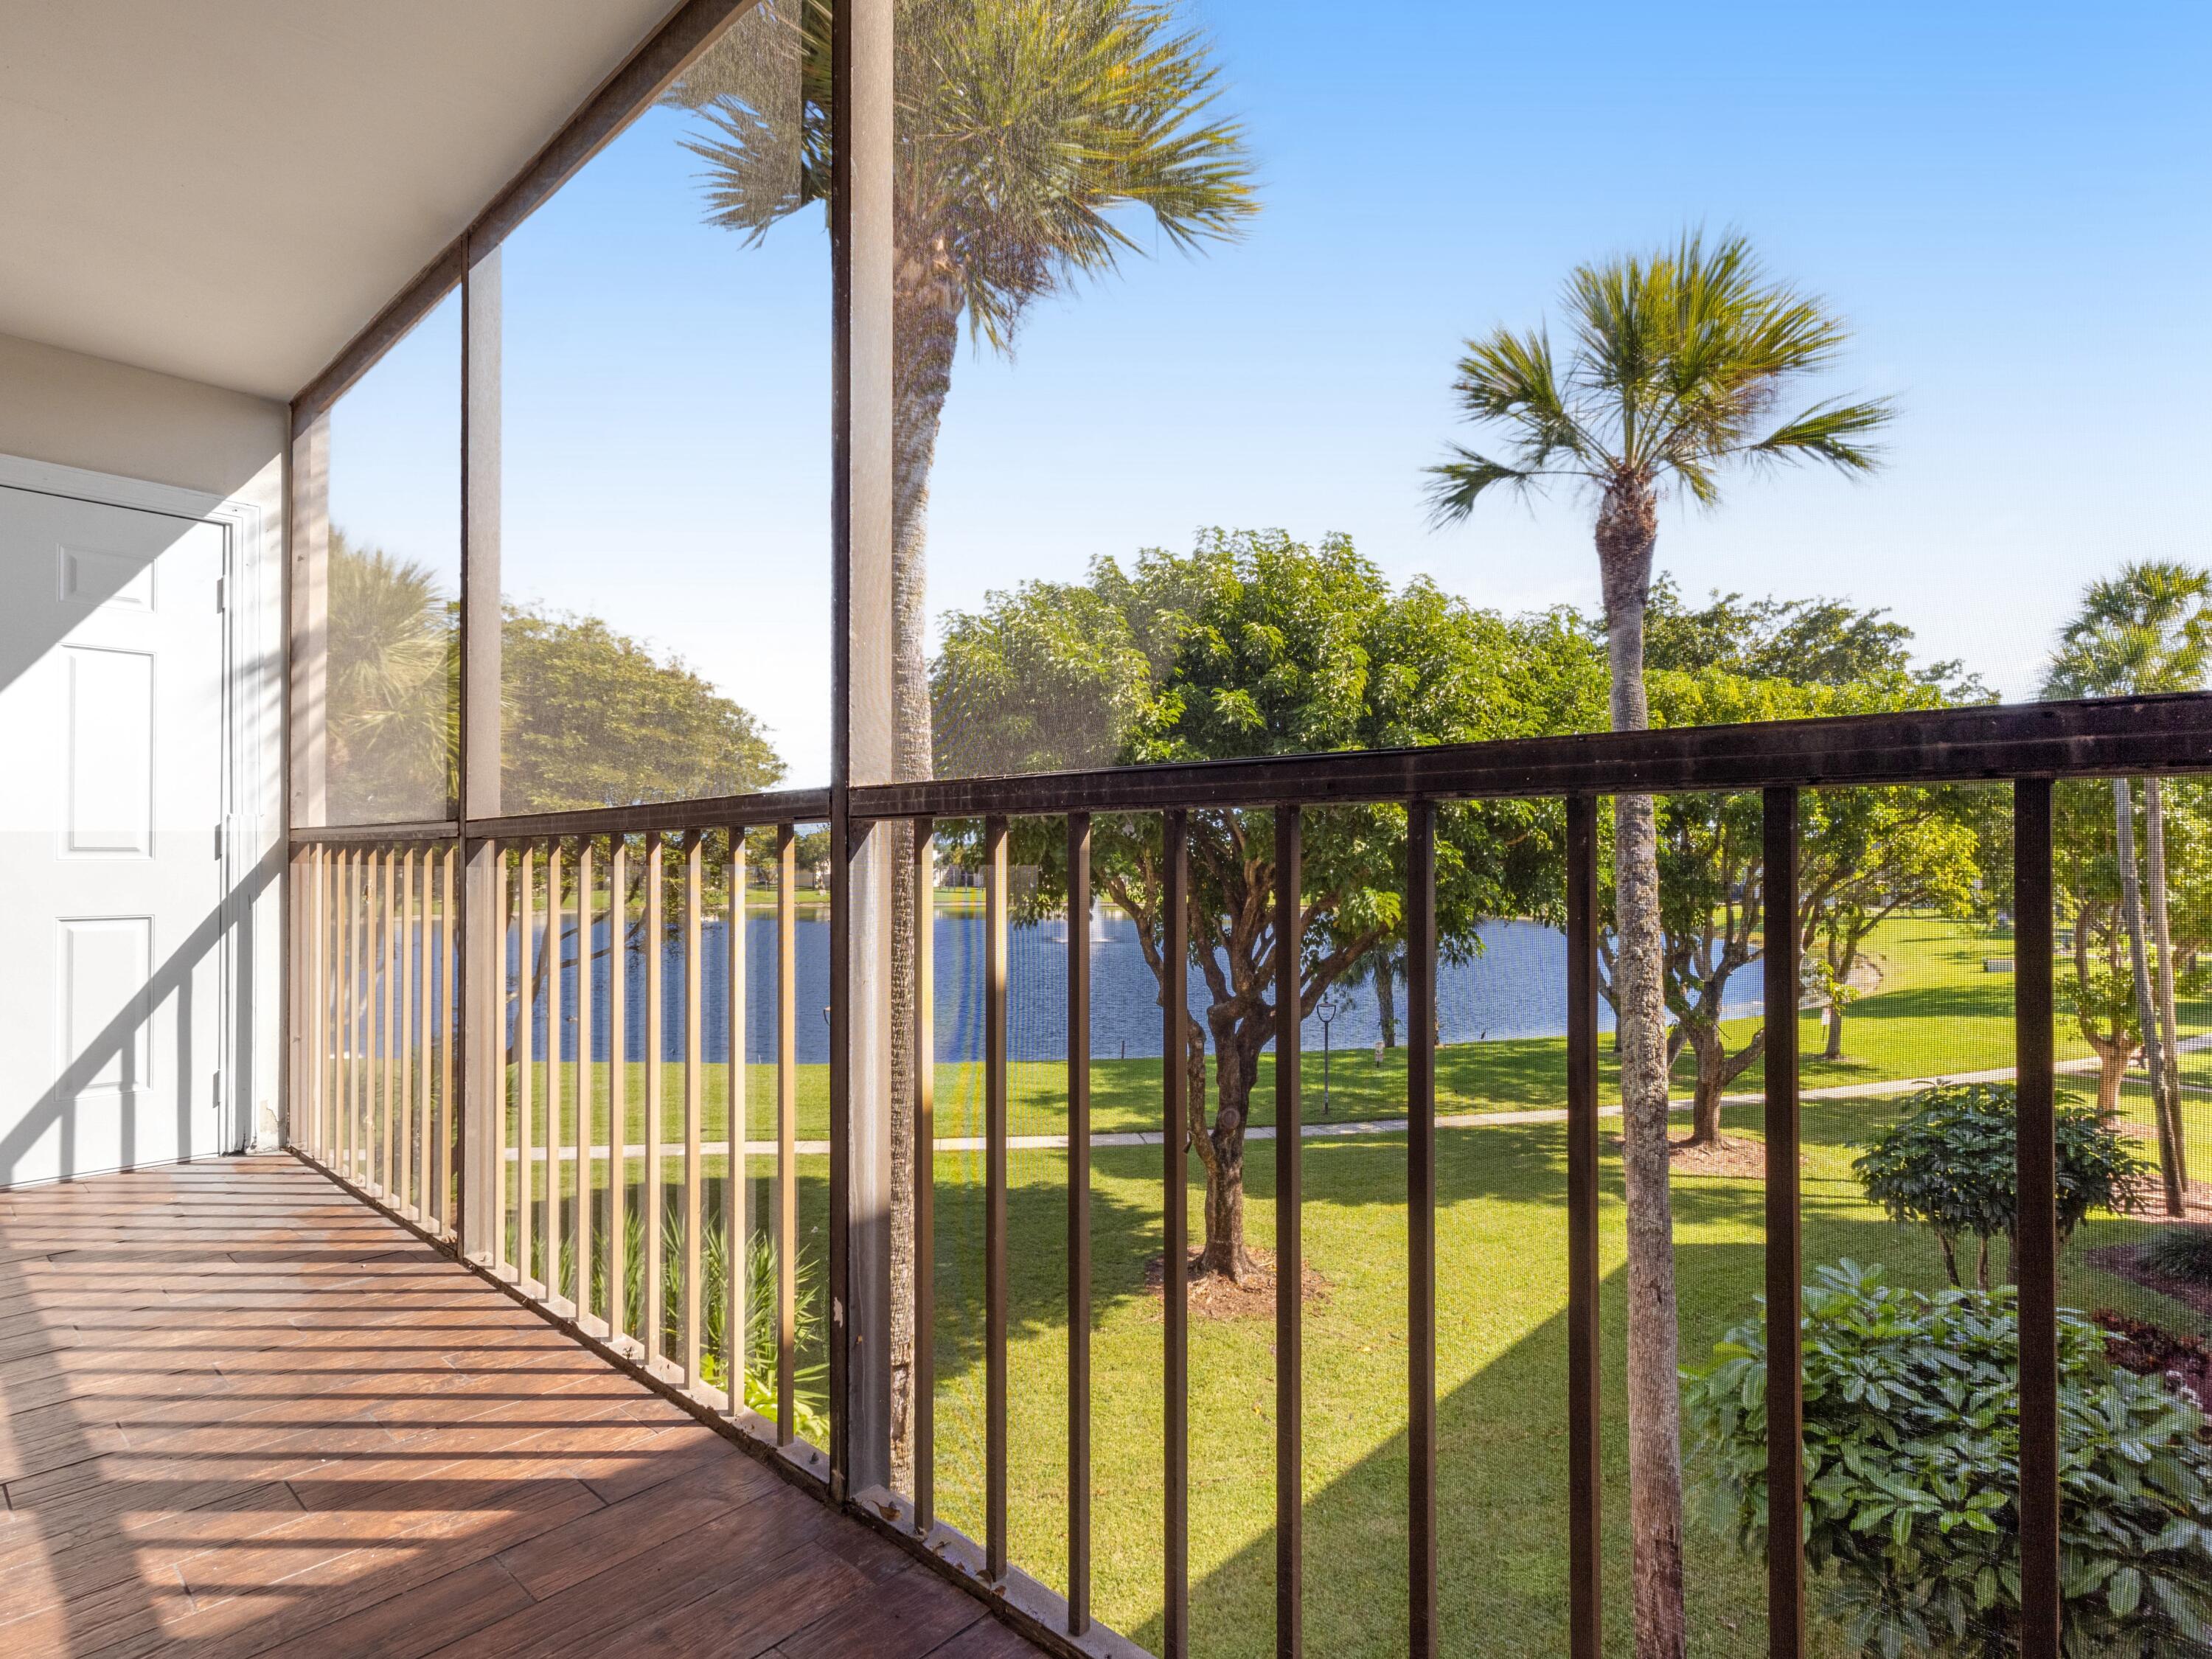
252 784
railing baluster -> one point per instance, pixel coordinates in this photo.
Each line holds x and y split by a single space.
1289 1234
585 1093
618 1089
449 1009
371 908
318 1012
994 1198
925 1176
552 1200
1078 1222
356 999
525 1061
494 952
362 1172
409 1030
372 1025
1785 1262
1421 1224
786 1133
1174 963
2035 1258
295 911
390 1066
653 1200
694 1101
1585 1605
736 1219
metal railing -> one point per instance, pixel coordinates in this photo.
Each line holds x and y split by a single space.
584 971
2025 747
373 1024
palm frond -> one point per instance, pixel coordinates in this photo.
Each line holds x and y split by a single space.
1831 432
2147 628
1677 358
1458 484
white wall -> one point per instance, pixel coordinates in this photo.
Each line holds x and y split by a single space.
74 410
62 409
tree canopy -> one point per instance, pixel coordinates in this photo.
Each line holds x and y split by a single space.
590 716
1254 643
596 718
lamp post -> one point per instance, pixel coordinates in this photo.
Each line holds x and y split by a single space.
1326 1012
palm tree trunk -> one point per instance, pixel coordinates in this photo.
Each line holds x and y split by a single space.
1386 1003
2169 1128
925 326
2162 942
1627 532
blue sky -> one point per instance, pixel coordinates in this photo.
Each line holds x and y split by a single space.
2005 201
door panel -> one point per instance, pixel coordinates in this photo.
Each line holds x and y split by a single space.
113 923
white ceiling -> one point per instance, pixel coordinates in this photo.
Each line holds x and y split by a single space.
227 190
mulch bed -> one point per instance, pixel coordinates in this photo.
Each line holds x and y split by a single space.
2125 1261
1212 1296
2136 1344
1731 1156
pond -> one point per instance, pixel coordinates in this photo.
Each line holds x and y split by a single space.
1514 986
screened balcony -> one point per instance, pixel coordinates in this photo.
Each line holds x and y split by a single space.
674 995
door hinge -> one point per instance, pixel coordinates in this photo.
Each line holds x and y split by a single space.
222 594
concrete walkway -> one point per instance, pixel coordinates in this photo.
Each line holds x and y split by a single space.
1339 1129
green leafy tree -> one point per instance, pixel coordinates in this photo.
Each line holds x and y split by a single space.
595 718
1711 864
1032 140
2095 987
1951 1161
2147 629
1675 364
1911 1445
1255 644
1864 854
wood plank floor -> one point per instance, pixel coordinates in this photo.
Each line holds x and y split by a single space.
242 1414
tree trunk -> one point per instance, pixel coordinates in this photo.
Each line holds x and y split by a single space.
2111 1072
2162 935
1834 1050
1220 1147
2168 1120
1716 1069
1627 531
1386 1003
925 329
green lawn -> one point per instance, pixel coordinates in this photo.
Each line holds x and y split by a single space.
1501 1356
1938 1010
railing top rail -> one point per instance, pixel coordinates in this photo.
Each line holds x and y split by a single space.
714 812
2166 734
339 835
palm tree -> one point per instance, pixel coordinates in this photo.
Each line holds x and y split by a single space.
1675 362
1028 133
2144 629
392 720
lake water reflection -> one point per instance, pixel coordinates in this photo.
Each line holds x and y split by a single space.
1516 986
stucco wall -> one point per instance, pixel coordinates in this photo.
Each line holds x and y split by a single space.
74 410
60 409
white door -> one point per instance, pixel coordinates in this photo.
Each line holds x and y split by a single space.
112 916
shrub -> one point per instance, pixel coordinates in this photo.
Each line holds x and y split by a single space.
1950 1163
2182 1253
1911 1459
758 1381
